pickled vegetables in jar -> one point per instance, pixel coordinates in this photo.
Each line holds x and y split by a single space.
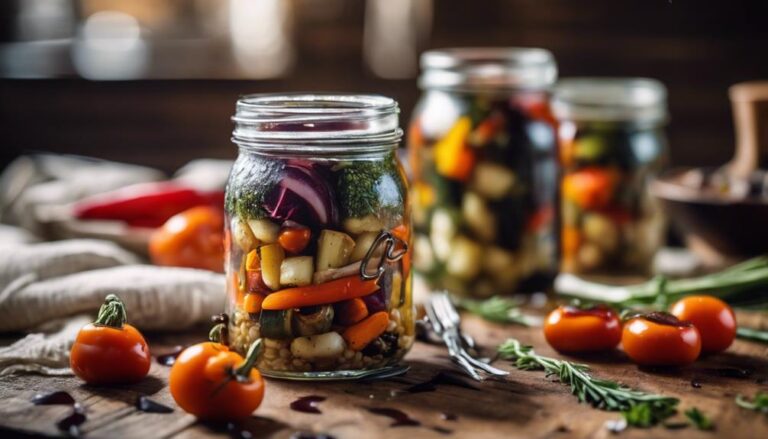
611 144
318 236
483 159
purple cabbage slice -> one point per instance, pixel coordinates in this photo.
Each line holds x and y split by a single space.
302 194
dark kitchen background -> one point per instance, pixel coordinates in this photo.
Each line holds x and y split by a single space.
155 81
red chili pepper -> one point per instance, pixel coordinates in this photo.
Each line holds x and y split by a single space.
145 204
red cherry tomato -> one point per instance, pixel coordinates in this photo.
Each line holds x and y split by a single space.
110 351
660 339
713 318
193 238
572 330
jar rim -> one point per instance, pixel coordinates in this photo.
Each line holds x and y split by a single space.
488 68
612 99
316 122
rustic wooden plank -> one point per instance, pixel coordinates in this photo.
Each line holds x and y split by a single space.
527 404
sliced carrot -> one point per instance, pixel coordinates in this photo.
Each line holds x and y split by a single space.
350 312
359 335
294 240
570 241
252 260
329 292
252 303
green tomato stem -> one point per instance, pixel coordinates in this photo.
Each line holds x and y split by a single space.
112 313
244 371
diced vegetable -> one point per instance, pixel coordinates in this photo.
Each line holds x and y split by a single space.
486 130
590 148
264 230
296 271
252 261
254 282
478 217
497 259
453 158
570 241
276 323
442 230
600 230
493 181
314 347
333 249
376 302
465 259
252 303
589 188
242 235
336 273
294 237
362 244
351 311
589 256
368 223
312 320
329 292
272 256
360 334
423 257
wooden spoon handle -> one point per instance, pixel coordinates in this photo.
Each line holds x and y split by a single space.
750 115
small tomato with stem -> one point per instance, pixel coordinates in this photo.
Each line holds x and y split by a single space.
193 238
714 319
110 351
572 330
216 384
661 339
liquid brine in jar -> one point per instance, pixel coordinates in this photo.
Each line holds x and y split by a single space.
482 150
612 144
318 238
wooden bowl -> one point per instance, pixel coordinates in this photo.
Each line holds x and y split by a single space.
718 228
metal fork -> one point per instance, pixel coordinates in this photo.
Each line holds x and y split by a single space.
446 322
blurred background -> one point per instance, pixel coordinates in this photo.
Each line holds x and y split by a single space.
154 82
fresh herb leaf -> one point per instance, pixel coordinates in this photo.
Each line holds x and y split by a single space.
752 334
759 403
639 408
699 419
500 310
366 187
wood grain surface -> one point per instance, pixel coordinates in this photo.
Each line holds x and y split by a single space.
525 405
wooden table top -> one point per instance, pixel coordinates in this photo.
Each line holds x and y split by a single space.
525 405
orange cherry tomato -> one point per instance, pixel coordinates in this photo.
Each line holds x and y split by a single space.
109 351
294 239
216 384
572 330
589 188
193 238
660 339
713 318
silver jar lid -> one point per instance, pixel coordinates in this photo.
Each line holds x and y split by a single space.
487 68
637 100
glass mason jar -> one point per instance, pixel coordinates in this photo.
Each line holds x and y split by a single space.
482 151
318 235
611 144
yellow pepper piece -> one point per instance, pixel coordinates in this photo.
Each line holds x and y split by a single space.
453 158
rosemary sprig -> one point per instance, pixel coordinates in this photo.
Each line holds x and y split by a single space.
640 409
500 310
759 403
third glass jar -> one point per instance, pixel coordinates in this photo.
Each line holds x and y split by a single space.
611 144
483 162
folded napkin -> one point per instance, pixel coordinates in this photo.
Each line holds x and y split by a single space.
47 287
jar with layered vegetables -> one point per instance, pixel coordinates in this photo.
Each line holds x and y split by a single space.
611 144
483 160
318 234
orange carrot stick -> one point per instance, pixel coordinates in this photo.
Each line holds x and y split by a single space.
359 335
350 312
329 292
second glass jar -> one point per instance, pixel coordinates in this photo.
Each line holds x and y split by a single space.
483 161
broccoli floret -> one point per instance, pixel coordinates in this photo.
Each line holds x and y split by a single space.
368 187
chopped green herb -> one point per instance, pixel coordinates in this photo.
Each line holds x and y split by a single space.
759 403
500 310
639 408
699 419
365 187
